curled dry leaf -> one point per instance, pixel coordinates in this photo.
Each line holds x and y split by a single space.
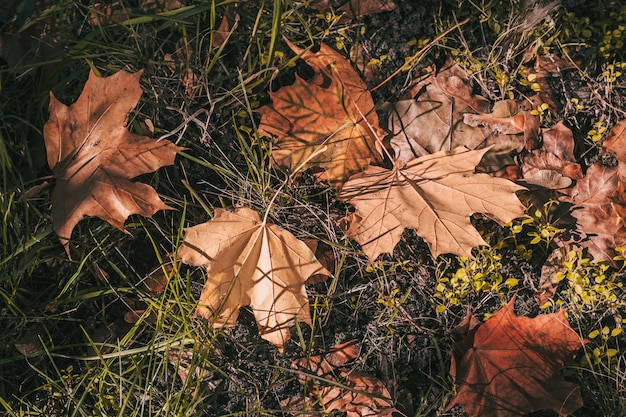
435 195
553 166
431 121
253 263
445 114
93 156
357 394
513 366
510 129
229 23
328 122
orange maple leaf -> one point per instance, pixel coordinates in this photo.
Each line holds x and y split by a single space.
250 262
328 122
510 366
435 195
93 156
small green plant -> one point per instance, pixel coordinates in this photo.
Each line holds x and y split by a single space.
595 134
536 231
589 285
477 276
603 350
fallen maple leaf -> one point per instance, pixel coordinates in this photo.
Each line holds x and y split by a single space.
93 156
513 366
431 120
435 195
599 201
250 262
357 394
333 110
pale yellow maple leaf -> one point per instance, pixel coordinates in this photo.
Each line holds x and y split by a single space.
93 156
250 262
435 195
333 111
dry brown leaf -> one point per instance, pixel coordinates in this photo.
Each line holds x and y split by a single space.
553 166
29 344
547 67
599 200
93 156
435 195
513 366
446 114
355 8
361 58
147 5
229 22
253 263
361 395
455 82
104 15
179 63
432 120
510 128
182 358
547 170
323 253
616 143
552 266
328 122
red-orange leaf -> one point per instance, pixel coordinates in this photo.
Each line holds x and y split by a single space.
93 156
512 366
328 122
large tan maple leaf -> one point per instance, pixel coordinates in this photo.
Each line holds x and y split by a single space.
435 195
510 366
250 262
93 156
327 122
